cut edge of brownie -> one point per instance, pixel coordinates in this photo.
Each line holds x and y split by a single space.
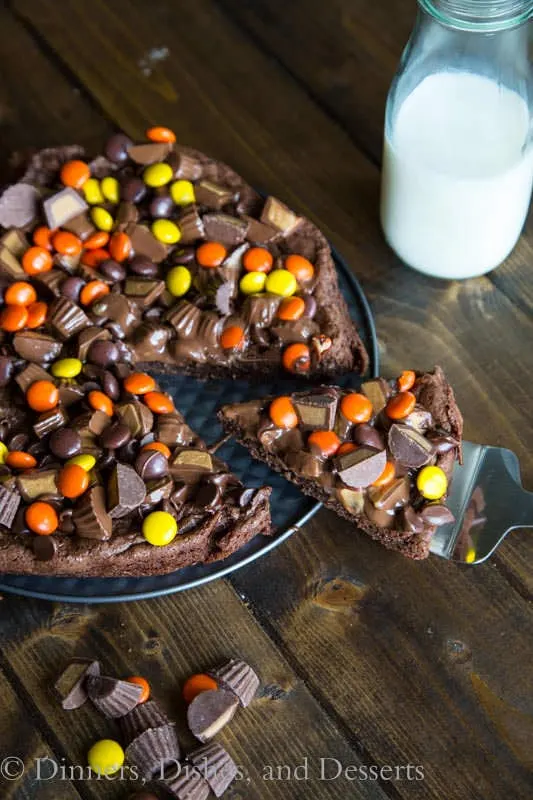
437 396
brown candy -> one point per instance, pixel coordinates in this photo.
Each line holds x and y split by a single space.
67 318
316 411
212 195
210 711
71 684
360 468
90 517
112 697
239 678
215 764
224 228
154 750
62 207
409 447
37 347
34 483
277 215
9 503
125 491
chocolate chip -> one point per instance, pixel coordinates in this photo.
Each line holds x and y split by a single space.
103 353
112 270
133 190
110 385
66 524
162 205
151 464
44 547
442 444
310 306
65 443
116 435
140 265
409 447
437 514
367 434
117 147
185 255
207 496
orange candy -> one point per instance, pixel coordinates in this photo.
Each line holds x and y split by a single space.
42 236
36 260
41 518
356 407
386 476
282 413
160 134
326 441
100 402
66 243
145 686
75 173
92 258
120 246
406 380
139 383
20 293
96 240
300 267
36 314
18 459
42 396
72 481
159 446
258 259
401 405
291 308
347 447
159 403
232 337
92 291
13 318
197 684
211 254
297 358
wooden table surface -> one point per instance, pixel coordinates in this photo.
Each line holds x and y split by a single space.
365 658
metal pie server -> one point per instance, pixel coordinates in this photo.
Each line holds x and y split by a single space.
487 500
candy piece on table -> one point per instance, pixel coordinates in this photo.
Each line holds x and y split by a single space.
143 683
210 711
238 677
105 757
215 765
141 718
188 784
112 697
154 750
70 687
193 686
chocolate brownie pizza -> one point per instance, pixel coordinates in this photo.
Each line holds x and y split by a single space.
184 265
100 475
381 457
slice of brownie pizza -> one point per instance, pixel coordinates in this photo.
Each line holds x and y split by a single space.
100 475
381 457
178 259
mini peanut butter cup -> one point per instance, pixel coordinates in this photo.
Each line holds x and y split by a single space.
210 711
141 718
239 678
215 765
112 697
154 750
188 785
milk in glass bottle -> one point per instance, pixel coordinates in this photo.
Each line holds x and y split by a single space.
458 149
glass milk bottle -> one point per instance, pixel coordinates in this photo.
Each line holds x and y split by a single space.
458 151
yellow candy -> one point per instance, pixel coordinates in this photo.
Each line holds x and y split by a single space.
253 282
110 189
105 757
182 192
91 190
102 218
159 528
66 368
157 175
281 282
166 231
432 483
3 453
84 460
470 555
179 281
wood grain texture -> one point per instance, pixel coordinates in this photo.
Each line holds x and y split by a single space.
423 664
20 739
166 640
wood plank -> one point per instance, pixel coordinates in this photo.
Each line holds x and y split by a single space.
166 640
427 663
24 754
39 107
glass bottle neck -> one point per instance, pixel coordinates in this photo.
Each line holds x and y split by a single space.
483 16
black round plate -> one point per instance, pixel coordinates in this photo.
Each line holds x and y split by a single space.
198 402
